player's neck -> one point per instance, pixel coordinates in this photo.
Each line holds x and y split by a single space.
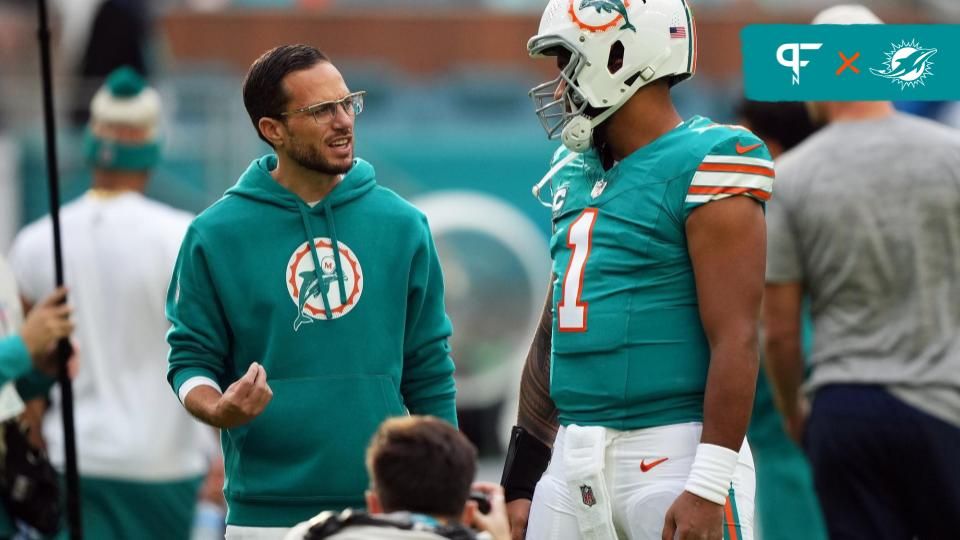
643 118
119 181
309 185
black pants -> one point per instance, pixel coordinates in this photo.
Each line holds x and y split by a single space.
883 469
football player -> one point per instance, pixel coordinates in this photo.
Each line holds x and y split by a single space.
647 355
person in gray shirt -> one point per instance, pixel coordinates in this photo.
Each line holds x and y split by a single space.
866 222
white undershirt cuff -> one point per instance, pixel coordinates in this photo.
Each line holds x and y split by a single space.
194 382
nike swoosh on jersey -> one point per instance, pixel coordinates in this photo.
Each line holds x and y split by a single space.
644 467
744 149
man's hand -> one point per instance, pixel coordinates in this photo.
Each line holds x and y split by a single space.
693 518
795 420
518 511
45 324
245 399
495 522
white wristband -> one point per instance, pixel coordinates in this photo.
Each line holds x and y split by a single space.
712 472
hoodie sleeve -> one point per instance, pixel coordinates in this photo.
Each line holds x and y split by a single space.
427 383
199 335
34 384
14 358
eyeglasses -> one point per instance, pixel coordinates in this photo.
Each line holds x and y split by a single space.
325 112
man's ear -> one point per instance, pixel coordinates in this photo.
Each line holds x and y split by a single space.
373 502
274 130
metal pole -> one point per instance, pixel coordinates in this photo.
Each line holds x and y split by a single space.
63 350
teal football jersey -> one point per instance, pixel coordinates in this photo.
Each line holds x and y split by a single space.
629 349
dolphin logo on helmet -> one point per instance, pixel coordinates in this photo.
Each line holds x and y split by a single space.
611 6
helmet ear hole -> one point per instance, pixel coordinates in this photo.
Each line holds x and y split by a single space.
615 58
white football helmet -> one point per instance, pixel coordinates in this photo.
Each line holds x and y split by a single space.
655 38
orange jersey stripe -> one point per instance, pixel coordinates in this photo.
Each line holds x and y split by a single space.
731 524
736 168
726 190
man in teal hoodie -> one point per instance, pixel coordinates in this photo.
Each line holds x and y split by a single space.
309 271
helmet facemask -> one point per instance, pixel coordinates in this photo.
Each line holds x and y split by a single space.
554 114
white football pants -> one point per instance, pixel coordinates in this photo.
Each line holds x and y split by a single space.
641 485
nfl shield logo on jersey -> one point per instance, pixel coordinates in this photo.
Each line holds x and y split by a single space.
586 493
598 188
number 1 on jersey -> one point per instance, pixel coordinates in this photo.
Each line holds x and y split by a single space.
571 312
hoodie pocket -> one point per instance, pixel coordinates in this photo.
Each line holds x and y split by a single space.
309 443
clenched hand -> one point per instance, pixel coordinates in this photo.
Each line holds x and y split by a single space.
45 324
245 399
693 518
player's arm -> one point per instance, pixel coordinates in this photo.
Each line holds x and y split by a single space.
726 240
727 245
782 301
537 412
783 347
532 437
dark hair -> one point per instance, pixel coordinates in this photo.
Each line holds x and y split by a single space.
263 92
421 464
786 122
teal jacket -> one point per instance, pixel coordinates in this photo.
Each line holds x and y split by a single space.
346 341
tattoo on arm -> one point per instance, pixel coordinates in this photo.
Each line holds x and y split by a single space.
538 413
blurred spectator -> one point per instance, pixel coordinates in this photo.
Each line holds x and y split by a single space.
421 470
866 223
786 502
26 367
141 457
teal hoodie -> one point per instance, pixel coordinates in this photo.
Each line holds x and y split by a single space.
346 341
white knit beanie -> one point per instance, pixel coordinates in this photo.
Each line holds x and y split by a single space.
126 99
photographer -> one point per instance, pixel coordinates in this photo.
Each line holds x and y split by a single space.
421 470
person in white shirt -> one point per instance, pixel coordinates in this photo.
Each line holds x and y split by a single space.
141 457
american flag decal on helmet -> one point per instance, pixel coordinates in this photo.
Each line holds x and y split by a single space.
678 32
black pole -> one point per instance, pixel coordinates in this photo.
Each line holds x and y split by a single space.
63 347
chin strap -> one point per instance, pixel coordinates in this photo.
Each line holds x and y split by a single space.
549 176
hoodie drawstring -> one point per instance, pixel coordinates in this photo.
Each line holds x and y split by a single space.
328 212
328 314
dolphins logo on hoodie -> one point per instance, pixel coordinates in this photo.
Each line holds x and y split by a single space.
908 64
312 291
